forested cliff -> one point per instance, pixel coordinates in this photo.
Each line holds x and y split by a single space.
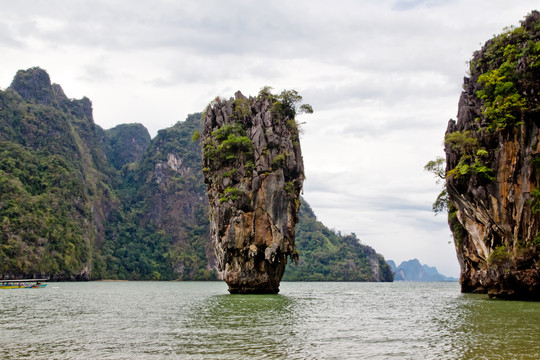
493 167
79 202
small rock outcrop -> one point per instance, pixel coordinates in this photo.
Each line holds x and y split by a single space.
254 172
493 167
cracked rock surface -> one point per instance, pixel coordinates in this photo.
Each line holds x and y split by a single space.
254 172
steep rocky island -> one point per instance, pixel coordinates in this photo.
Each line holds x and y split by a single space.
493 167
254 172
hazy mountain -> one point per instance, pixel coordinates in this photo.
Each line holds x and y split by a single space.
413 270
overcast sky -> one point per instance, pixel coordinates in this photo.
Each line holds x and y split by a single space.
384 77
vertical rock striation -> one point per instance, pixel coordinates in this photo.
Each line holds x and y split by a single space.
254 172
493 167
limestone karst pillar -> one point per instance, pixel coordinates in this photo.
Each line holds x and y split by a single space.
254 172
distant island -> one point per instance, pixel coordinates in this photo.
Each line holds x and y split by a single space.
413 270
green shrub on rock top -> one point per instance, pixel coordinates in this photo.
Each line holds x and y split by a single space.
223 132
235 145
285 105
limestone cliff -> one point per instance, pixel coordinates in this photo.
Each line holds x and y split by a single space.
492 167
55 198
254 172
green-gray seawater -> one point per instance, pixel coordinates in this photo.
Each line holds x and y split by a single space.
200 320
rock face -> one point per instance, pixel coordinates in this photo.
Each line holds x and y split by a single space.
254 172
492 164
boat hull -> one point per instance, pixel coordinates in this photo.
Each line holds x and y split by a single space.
16 286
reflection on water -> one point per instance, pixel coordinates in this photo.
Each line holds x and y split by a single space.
497 329
170 320
247 325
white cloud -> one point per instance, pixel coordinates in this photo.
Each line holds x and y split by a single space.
383 77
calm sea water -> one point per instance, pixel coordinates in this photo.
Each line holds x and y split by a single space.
200 320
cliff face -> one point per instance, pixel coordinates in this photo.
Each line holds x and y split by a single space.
254 171
169 200
492 163
54 185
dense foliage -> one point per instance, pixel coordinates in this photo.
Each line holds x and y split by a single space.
43 210
506 74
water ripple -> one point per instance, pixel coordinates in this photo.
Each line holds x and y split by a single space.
170 320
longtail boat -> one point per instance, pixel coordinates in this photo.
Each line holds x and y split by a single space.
22 284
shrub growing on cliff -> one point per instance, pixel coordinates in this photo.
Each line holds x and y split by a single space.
241 108
436 167
230 193
285 105
471 156
235 145
499 256
278 161
226 144
535 201
470 163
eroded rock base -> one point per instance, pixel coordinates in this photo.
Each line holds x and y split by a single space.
257 276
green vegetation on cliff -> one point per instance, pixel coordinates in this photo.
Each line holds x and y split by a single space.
43 214
54 180
505 72
503 85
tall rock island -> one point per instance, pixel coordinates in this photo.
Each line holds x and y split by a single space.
253 169
493 167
